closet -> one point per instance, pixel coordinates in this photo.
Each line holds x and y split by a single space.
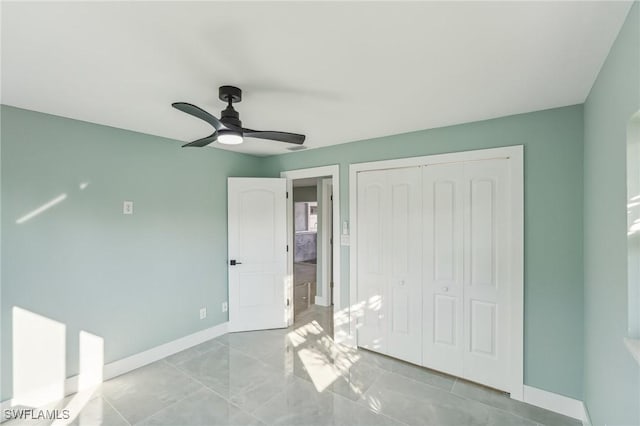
433 267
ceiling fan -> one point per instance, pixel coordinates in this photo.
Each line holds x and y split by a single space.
228 129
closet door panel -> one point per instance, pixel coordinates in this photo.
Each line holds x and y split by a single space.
373 270
443 203
405 255
486 287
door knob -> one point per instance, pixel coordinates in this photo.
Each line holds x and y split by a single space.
233 262
445 289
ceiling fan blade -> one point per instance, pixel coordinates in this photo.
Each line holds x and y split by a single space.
198 113
202 142
275 136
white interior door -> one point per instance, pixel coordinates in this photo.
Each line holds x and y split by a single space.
389 261
257 227
372 263
466 263
486 273
404 250
443 195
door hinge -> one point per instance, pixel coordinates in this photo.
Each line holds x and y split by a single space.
287 302
287 248
332 198
287 194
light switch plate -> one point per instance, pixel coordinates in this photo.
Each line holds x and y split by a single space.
127 207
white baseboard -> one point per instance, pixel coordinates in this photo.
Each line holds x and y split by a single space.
124 365
555 402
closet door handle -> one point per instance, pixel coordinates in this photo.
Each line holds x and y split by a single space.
445 289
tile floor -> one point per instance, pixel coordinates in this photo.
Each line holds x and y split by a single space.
296 376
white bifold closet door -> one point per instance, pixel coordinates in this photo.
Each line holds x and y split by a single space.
466 279
433 267
390 262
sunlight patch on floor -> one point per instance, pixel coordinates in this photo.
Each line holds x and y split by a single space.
325 361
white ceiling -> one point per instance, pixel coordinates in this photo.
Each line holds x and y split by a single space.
335 71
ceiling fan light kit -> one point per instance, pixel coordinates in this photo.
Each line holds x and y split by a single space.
229 137
228 129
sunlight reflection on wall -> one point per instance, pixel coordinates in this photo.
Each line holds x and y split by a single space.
91 360
38 358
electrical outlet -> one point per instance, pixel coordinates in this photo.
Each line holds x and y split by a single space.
225 307
203 313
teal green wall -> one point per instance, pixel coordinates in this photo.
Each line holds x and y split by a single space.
612 377
553 223
137 281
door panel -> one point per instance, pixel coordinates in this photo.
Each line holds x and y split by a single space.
389 262
443 199
445 311
372 212
486 291
482 232
399 311
404 251
483 328
257 240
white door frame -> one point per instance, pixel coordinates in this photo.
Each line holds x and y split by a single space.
316 172
327 255
516 174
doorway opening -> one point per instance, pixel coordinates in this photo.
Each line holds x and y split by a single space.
322 310
312 252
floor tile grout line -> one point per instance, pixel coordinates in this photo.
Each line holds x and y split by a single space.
376 381
228 400
191 377
115 409
196 354
247 353
455 380
166 406
377 412
268 400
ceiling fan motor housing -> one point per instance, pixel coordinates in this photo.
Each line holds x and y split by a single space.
229 115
